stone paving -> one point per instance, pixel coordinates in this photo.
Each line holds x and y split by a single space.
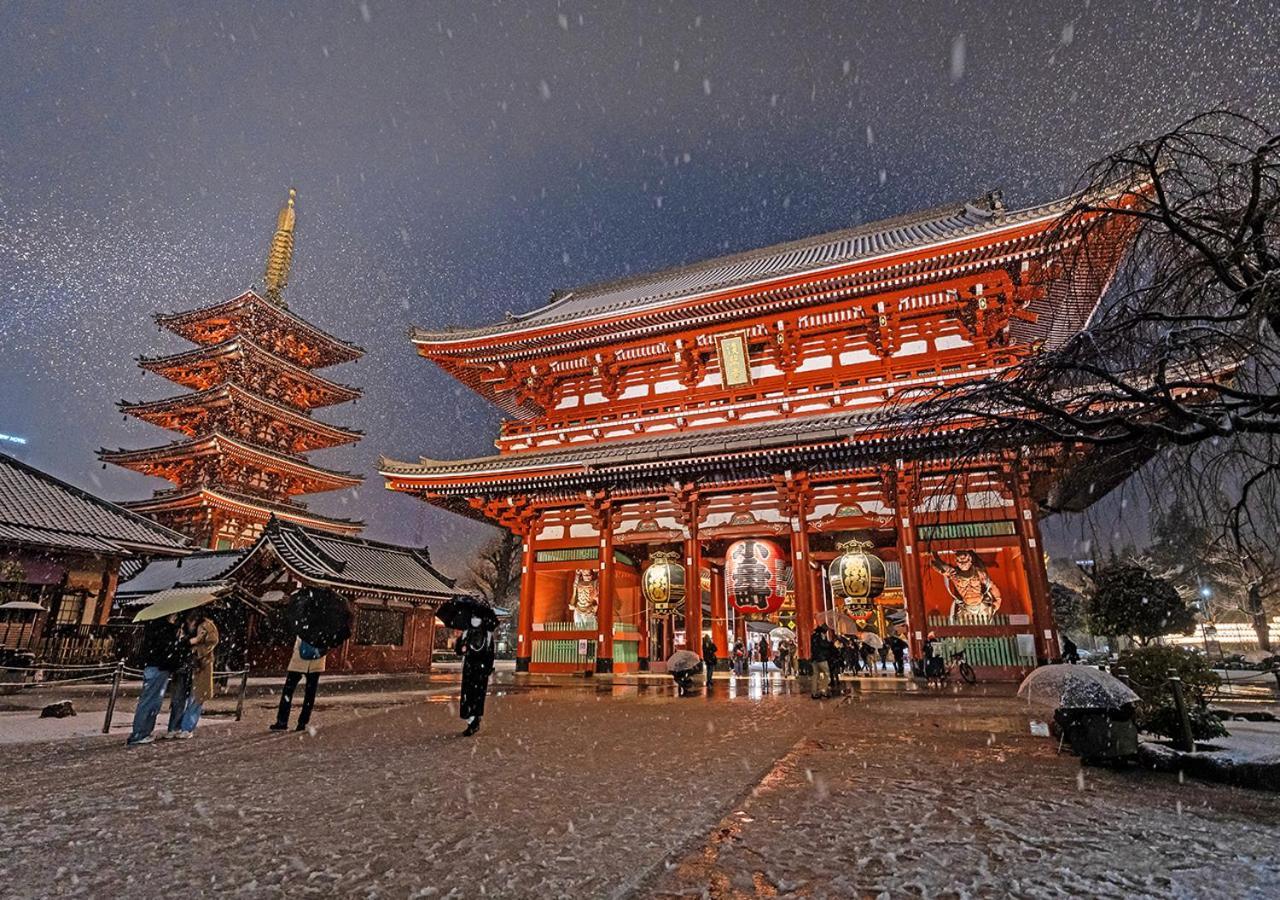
593 791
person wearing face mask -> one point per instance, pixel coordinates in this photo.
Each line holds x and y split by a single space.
475 646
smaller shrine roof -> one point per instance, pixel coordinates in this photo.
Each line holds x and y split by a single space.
40 510
165 574
243 314
355 565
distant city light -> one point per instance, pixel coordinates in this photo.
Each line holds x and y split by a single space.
11 439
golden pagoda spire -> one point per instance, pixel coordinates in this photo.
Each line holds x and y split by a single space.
281 256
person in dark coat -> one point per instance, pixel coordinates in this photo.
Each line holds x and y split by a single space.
899 649
708 656
307 662
1070 652
849 654
475 646
820 659
935 667
160 655
868 658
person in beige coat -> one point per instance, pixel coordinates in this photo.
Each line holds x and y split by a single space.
304 663
202 637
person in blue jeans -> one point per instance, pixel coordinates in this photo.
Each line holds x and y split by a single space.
160 655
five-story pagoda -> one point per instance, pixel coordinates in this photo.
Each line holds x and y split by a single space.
247 423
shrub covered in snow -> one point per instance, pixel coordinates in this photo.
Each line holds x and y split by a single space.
1149 669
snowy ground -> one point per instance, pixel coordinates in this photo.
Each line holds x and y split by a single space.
591 791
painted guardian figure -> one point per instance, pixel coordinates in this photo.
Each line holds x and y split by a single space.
974 596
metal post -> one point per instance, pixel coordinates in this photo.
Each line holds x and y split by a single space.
1184 740
244 686
111 701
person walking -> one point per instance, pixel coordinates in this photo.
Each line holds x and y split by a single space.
709 657
820 659
1070 652
160 655
935 668
475 646
868 658
180 683
899 649
307 662
201 639
835 662
787 656
739 659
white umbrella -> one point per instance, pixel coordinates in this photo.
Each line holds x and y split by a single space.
683 661
174 600
782 634
1253 656
872 640
1075 687
23 604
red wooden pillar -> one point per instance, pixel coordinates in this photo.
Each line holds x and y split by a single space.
1029 542
643 650
524 627
719 614
804 592
604 612
693 590
910 559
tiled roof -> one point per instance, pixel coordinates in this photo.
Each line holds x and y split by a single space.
201 495
257 356
254 305
352 564
162 574
664 447
38 508
952 221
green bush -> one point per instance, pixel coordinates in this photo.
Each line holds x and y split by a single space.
1149 668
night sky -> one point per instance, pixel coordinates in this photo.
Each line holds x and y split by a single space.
458 160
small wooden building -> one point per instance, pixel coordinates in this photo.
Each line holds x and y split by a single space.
395 591
61 550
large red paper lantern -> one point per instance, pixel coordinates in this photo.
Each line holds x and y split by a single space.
753 576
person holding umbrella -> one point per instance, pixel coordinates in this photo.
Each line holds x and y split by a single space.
321 619
477 621
160 655
201 637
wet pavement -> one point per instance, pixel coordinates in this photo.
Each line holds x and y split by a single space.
594 789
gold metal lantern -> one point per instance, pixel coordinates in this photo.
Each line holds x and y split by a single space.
663 583
856 575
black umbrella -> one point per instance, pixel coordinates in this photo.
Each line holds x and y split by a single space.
458 613
320 616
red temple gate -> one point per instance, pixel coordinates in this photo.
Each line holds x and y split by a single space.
745 398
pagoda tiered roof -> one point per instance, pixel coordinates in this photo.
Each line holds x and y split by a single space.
175 460
267 324
194 415
241 360
235 503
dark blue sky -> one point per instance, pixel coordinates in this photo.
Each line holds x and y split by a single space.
457 160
